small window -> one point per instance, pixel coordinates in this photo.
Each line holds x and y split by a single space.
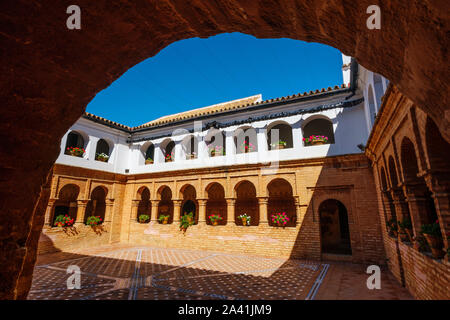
102 151
75 144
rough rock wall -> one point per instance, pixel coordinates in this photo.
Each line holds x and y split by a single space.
48 73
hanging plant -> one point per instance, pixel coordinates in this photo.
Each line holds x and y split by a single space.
186 221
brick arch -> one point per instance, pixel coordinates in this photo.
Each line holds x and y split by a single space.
216 203
97 185
165 204
161 189
281 199
246 201
409 160
96 205
437 148
66 202
83 68
188 196
144 205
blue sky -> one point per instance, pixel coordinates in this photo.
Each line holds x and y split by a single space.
194 73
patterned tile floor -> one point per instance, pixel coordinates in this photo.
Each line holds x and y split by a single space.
121 272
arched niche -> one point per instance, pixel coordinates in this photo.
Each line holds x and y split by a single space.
96 205
189 146
75 139
144 205
281 200
216 203
246 202
279 131
66 203
189 203
245 140
165 206
216 143
322 127
102 150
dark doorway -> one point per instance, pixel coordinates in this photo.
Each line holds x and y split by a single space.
188 207
334 229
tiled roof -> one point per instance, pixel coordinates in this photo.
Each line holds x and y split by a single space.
217 108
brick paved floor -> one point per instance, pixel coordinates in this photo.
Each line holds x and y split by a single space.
123 272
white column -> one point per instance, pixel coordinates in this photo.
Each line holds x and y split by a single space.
159 156
297 137
202 150
179 153
92 146
229 146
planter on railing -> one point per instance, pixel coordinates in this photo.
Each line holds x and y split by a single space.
280 219
163 219
278 145
315 140
64 221
432 234
215 218
216 151
75 151
245 218
149 161
144 218
102 157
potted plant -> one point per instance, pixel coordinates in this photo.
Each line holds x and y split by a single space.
247 147
191 156
392 227
315 140
64 221
279 145
432 233
245 218
94 221
215 218
216 151
405 230
186 221
163 219
102 157
76 152
149 161
280 219
143 218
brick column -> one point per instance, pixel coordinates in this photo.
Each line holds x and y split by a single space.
176 210
401 206
263 210
48 212
134 209
109 210
230 209
81 211
298 212
201 211
438 184
417 204
154 211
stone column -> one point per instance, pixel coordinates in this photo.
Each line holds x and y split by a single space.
201 211
401 206
81 211
134 210
176 210
230 209
48 212
109 210
263 219
154 211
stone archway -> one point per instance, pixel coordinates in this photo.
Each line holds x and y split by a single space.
64 70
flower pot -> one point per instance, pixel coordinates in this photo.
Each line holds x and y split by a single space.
244 222
76 154
102 159
317 142
215 223
279 146
148 161
165 221
191 156
190 220
169 160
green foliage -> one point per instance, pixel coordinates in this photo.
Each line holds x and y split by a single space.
144 218
215 217
94 221
63 221
162 217
186 221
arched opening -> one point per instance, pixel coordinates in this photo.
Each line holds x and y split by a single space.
96 206
190 203
190 147
246 203
279 136
165 206
149 155
245 140
216 203
392 173
281 200
334 228
66 204
437 147
216 143
102 151
318 131
144 205
168 149
75 141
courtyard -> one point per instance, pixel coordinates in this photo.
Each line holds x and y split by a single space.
120 272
